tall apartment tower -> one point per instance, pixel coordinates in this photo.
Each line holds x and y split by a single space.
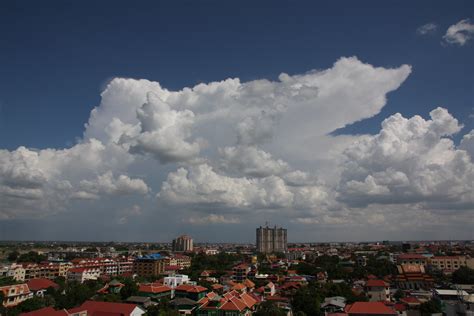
183 243
271 239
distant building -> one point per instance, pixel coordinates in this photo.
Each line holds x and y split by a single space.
180 261
413 277
183 243
270 240
412 258
447 264
149 265
83 274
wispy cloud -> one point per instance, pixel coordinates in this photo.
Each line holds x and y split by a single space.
459 33
426 29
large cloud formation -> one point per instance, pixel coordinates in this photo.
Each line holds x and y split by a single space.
223 149
410 160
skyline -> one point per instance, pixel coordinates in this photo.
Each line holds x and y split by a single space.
353 124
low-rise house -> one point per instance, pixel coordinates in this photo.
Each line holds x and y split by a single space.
378 290
155 291
113 287
239 287
108 308
269 289
289 288
218 288
15 294
194 292
49 311
176 280
335 304
249 285
140 301
83 274
411 302
369 308
40 286
183 305
230 304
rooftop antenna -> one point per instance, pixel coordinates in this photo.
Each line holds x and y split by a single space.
266 223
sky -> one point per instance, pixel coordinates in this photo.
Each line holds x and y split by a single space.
341 121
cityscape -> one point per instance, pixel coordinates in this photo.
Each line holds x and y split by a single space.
270 277
236 158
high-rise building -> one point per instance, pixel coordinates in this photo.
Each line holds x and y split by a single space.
183 243
271 240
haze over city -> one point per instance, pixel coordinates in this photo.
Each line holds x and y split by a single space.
339 121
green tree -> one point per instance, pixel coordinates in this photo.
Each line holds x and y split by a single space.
31 256
399 294
463 275
7 281
2 308
12 256
431 307
75 293
269 308
130 288
307 300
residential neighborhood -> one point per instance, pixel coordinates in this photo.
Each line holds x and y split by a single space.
331 279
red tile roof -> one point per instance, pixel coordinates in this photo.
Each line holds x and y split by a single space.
376 283
46 311
374 308
94 308
217 286
41 284
411 256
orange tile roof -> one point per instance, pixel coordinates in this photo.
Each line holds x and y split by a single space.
152 288
249 283
238 287
368 308
190 288
233 305
248 300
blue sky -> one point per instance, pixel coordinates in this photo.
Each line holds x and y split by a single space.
56 57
